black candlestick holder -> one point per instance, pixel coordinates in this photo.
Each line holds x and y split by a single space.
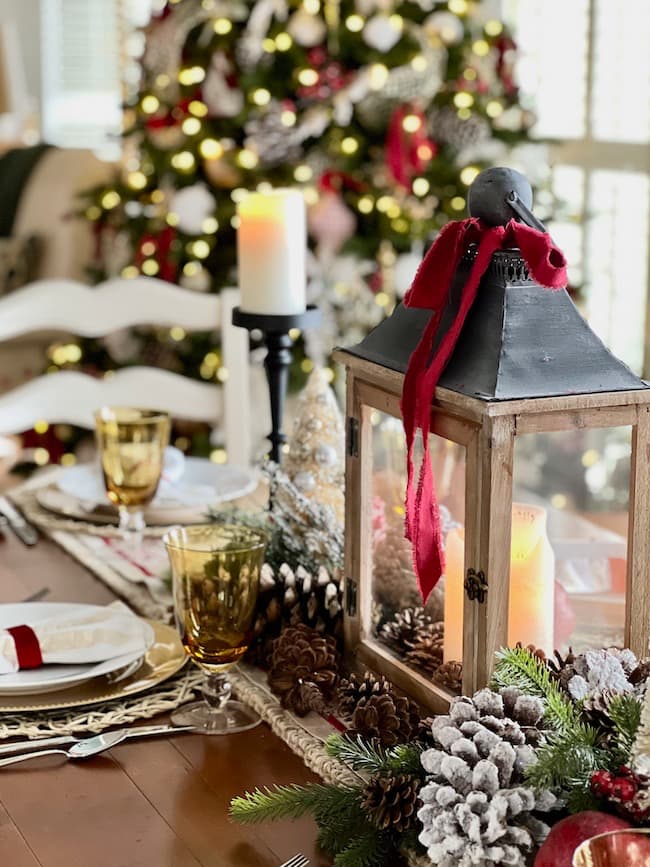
275 329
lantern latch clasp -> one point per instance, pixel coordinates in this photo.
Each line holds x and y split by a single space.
476 585
353 437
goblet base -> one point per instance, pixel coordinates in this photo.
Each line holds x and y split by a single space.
230 717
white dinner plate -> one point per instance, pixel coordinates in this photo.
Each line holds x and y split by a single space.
202 484
49 678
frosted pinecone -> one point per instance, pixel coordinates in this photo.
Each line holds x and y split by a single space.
477 809
597 670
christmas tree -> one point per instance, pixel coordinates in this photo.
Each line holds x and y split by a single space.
383 112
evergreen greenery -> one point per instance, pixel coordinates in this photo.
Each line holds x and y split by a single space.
372 758
625 712
517 667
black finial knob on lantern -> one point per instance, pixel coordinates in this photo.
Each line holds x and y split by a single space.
499 194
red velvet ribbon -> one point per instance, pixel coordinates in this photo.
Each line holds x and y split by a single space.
28 650
430 290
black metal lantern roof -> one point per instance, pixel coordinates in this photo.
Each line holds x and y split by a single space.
520 340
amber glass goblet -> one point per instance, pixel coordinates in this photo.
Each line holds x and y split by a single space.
132 446
216 573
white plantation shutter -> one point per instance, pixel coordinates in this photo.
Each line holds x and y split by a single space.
587 67
85 47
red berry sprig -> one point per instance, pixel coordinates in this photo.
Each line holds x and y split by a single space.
626 790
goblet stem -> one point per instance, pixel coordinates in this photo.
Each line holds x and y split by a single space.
131 521
216 691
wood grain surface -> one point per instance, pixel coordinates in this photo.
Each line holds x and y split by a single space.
155 803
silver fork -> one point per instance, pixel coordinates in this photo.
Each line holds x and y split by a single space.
298 860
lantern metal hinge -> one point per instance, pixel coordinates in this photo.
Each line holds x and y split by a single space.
353 437
350 597
476 585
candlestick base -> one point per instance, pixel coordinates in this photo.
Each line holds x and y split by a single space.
275 329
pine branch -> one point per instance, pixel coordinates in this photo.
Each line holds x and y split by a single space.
368 850
625 712
289 802
369 756
641 746
518 667
567 760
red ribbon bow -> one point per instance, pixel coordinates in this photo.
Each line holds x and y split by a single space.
430 289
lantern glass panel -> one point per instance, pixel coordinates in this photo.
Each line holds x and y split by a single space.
581 480
393 583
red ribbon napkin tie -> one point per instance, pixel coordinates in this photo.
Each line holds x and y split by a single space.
28 650
430 290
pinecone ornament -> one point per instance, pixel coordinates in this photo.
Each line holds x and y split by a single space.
387 718
561 666
596 708
642 672
393 580
356 688
391 802
304 669
426 654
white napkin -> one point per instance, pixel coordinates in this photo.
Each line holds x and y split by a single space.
80 638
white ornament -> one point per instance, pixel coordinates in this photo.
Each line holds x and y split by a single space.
405 268
306 29
381 33
192 205
197 281
221 99
304 481
447 26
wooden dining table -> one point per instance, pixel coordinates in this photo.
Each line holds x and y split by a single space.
160 802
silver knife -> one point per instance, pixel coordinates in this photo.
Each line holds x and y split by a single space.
25 532
136 732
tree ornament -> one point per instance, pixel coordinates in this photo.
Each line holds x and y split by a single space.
304 669
220 173
406 264
222 96
392 802
306 29
317 445
270 139
331 223
192 205
408 151
381 33
448 128
477 808
198 280
446 26
356 688
387 718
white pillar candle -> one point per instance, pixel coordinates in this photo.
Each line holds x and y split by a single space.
271 251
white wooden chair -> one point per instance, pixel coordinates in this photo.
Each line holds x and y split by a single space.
71 397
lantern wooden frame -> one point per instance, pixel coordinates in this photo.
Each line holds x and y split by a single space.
487 430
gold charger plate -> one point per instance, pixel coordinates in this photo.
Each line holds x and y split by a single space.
164 658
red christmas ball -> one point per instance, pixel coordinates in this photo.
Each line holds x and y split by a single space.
565 837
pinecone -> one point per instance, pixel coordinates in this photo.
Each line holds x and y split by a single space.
596 708
408 627
537 652
450 675
387 718
393 580
304 669
642 672
426 654
561 666
392 802
288 597
354 689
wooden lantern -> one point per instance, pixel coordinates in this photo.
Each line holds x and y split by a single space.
526 365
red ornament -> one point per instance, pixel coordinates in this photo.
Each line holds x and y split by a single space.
163 241
565 837
408 152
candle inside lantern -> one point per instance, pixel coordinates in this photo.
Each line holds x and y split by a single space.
531 587
271 250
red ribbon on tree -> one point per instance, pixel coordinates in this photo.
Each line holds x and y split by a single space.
408 152
430 290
